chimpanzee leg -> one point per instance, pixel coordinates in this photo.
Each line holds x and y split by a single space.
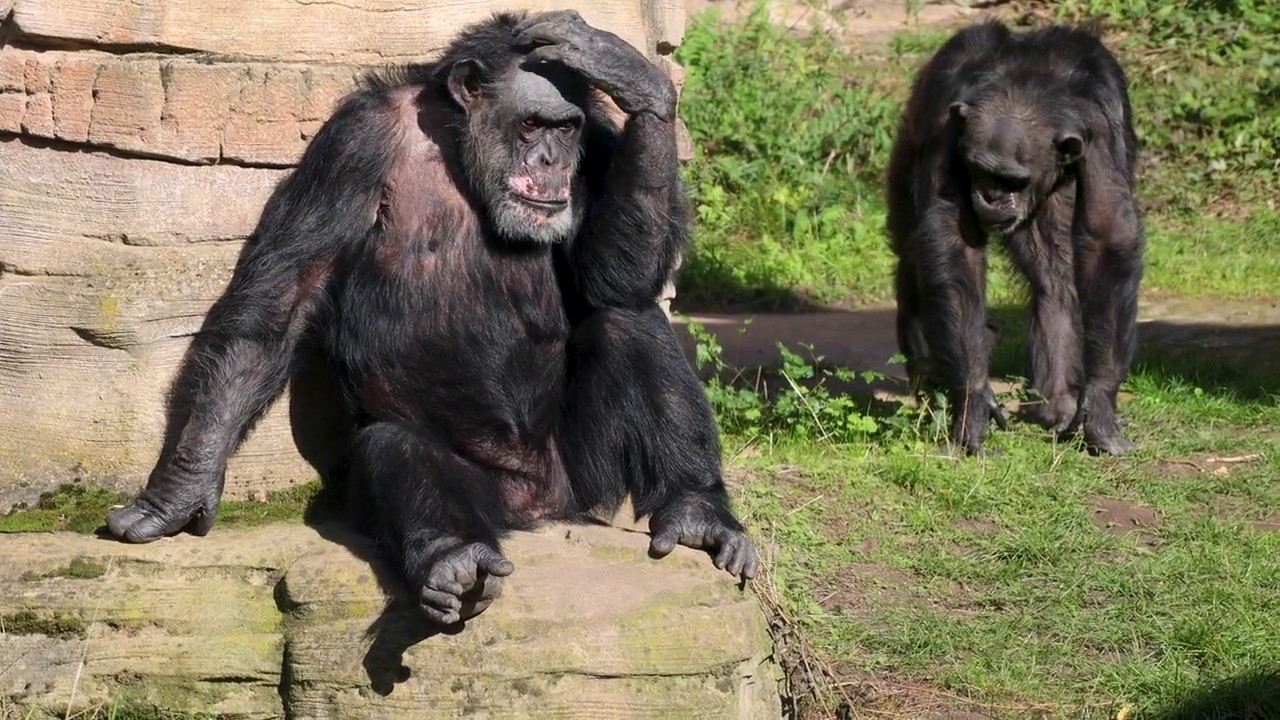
1108 243
636 420
1044 255
954 316
1109 275
435 516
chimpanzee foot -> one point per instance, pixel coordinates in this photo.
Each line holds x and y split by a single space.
463 582
1057 413
1102 434
698 527
1108 441
166 508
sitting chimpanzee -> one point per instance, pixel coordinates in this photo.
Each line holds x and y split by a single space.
479 250
1028 136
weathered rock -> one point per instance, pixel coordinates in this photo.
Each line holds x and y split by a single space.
247 113
588 626
361 31
186 623
257 114
94 318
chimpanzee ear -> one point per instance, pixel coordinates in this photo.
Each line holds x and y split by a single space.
960 111
1070 147
464 82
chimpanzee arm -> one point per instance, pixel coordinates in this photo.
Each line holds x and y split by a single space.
953 310
635 230
241 359
1109 242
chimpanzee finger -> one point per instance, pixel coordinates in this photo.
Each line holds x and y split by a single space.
662 543
997 414
446 585
545 33
752 566
548 53
748 560
726 555
441 607
531 39
442 599
494 564
552 16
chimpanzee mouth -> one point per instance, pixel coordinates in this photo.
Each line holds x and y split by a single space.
543 203
1003 226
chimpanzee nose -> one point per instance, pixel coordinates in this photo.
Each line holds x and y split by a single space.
540 155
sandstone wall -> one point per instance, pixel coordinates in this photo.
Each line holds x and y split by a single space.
138 141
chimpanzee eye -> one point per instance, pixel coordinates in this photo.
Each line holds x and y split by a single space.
529 124
568 126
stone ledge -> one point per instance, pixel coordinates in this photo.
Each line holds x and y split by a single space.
360 31
588 626
256 114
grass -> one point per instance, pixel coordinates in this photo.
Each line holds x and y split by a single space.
1043 582
793 133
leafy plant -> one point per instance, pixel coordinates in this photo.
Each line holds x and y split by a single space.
790 146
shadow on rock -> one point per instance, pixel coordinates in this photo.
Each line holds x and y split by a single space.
400 624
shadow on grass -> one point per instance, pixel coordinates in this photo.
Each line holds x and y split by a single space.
707 285
1242 361
1220 358
1250 697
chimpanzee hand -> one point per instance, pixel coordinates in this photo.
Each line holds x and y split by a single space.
174 499
973 418
460 583
606 60
693 524
1058 412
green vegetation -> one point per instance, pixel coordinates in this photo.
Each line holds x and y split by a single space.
1042 581
78 569
75 507
29 622
793 134
83 509
790 146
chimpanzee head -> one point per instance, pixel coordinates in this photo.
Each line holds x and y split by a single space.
522 137
1014 154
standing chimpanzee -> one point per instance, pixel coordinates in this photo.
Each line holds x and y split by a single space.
479 250
1029 136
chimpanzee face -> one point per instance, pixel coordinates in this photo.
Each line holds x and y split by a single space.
522 148
1013 160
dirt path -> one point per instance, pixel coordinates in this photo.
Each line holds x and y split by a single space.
1241 333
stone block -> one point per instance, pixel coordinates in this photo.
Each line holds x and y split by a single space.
359 31
252 114
588 626
107 267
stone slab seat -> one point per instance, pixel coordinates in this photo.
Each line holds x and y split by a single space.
292 620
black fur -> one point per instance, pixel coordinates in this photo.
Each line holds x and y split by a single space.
1028 136
498 381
